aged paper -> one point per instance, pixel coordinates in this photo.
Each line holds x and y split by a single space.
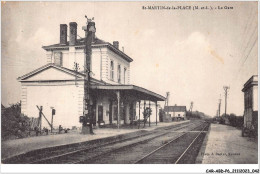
128 83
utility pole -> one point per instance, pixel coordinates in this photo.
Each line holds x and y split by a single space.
76 68
90 30
219 106
191 106
167 102
226 88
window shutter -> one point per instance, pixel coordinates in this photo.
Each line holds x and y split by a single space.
58 59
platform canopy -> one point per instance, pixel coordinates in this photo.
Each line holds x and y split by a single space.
131 90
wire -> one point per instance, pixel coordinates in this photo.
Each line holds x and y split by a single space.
250 51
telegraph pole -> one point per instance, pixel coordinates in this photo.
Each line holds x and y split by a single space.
226 88
167 101
219 106
89 29
191 106
76 68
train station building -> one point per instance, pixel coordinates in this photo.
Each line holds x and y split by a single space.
59 84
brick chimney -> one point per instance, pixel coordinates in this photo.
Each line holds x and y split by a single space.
73 33
63 34
116 44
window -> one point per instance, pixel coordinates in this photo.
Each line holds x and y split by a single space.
111 70
119 74
58 58
124 75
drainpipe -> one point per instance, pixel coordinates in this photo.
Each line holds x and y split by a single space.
100 64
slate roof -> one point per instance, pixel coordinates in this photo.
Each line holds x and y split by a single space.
79 42
42 68
175 108
133 90
97 43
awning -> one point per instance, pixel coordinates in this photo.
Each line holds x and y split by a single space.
131 90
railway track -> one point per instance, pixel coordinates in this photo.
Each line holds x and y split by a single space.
72 153
175 151
147 152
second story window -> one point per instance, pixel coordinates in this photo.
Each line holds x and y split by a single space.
111 70
119 74
58 58
124 75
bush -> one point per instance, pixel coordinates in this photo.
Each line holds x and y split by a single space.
14 124
235 121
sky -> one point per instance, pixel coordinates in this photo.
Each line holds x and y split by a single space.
190 53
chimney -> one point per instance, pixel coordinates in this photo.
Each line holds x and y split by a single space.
63 34
116 44
73 33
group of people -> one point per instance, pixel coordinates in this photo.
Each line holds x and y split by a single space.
46 130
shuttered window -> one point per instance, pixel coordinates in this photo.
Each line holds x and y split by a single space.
58 58
124 75
119 74
111 70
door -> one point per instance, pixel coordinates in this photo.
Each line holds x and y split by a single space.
131 113
110 112
100 113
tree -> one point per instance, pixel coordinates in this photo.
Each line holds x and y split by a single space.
147 113
13 122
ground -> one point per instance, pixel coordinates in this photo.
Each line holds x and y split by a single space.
18 146
225 145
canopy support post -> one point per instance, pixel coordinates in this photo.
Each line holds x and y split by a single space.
156 111
139 115
149 114
118 108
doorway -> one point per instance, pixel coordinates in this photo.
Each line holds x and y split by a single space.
100 113
110 112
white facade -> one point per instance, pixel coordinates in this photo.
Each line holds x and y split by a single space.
100 65
53 87
178 114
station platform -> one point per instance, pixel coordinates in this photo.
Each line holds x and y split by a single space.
18 146
225 145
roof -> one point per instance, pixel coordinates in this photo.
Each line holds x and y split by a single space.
253 81
138 92
80 44
175 108
132 90
69 71
66 70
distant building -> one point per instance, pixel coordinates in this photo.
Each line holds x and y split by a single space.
251 102
176 112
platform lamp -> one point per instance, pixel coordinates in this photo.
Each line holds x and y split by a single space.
53 112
